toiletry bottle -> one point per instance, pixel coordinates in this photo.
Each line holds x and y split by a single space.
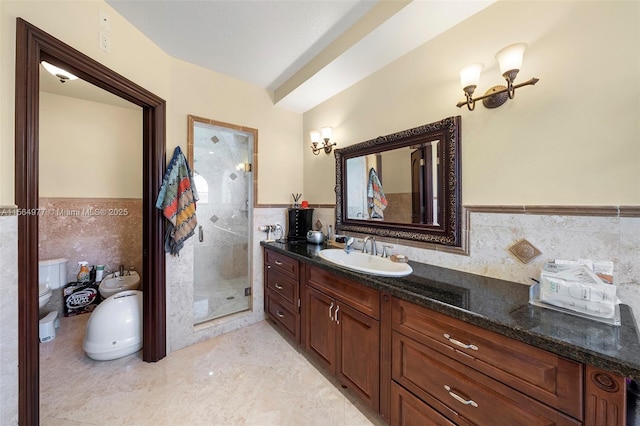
99 273
83 274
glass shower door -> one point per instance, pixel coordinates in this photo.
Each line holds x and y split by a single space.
222 274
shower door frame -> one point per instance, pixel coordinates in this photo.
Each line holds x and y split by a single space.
191 120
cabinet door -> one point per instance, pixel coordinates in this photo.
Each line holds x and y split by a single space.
320 329
358 362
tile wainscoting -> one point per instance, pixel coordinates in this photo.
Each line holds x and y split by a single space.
9 319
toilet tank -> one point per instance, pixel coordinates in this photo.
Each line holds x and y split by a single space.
52 272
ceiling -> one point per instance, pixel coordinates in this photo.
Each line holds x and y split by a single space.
301 51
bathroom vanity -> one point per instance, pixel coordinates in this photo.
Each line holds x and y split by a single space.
446 347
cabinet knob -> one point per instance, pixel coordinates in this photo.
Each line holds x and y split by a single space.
278 286
279 314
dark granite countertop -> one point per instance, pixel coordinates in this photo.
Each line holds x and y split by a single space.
500 306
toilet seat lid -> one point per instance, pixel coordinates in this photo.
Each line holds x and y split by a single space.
43 289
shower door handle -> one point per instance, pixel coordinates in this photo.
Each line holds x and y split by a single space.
200 233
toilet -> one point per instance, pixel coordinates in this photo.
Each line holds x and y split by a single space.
114 328
52 274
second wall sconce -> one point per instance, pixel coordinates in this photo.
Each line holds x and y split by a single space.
317 146
510 61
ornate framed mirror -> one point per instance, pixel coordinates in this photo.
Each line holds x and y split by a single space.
405 185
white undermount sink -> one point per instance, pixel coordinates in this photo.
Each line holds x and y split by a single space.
366 263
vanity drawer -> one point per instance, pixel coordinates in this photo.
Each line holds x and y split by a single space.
542 375
463 394
282 314
408 410
358 296
284 285
284 264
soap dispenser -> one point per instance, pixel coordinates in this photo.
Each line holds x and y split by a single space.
84 274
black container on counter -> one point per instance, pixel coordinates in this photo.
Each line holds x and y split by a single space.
300 222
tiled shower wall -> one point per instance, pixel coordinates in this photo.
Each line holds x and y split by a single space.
102 231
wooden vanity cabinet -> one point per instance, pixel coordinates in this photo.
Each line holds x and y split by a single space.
342 331
282 292
416 366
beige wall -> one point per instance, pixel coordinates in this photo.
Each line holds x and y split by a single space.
572 139
89 149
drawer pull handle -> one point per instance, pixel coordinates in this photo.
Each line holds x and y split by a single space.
277 262
279 314
459 343
330 309
336 315
278 286
458 398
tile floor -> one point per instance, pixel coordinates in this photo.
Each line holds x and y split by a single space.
248 377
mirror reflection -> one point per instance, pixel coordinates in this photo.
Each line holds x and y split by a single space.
404 185
399 185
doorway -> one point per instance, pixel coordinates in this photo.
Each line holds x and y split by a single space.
219 155
33 46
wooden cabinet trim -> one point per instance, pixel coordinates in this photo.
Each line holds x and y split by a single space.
605 398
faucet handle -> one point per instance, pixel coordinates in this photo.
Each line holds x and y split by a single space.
384 250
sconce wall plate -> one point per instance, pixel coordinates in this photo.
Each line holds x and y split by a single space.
497 97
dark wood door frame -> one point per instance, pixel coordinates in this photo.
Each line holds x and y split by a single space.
32 46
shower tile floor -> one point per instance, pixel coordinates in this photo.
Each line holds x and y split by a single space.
225 297
251 376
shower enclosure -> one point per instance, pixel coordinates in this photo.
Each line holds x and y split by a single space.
222 174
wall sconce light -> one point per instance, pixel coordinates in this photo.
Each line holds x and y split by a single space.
326 136
510 60
61 74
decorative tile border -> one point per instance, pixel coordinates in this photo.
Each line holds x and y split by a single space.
603 211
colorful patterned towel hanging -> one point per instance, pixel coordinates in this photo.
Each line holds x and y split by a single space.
177 200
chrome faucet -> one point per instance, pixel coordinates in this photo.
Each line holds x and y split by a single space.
368 238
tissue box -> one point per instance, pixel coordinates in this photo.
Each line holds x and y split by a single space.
576 289
80 298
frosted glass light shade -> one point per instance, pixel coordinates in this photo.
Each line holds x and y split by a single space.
470 75
510 58
58 72
315 137
326 132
